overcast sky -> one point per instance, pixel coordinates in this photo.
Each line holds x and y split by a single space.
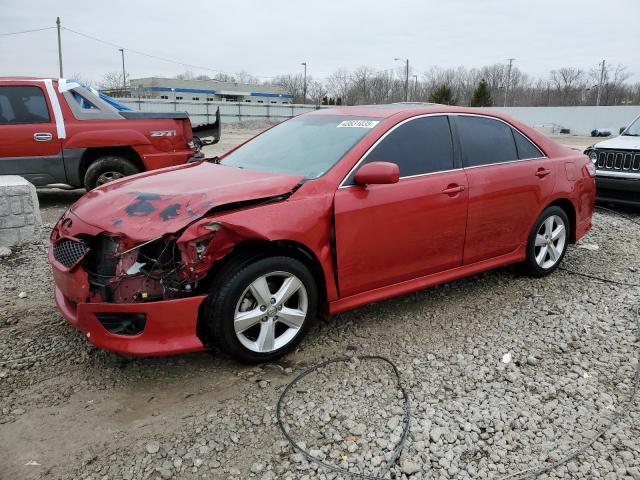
267 38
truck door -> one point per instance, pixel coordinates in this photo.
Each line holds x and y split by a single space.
29 144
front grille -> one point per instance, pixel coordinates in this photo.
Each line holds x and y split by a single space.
618 160
68 252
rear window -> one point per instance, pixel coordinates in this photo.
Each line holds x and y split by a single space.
23 104
526 149
485 141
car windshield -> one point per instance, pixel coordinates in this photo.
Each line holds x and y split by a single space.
307 145
634 128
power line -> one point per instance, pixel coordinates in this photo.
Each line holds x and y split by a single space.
26 31
199 67
149 55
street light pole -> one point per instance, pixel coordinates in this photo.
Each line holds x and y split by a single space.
59 46
124 72
304 88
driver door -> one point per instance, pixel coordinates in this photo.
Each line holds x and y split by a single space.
386 234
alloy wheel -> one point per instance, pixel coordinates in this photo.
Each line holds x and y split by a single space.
107 177
270 312
550 243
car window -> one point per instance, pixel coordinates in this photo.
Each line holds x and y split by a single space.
526 149
23 104
307 145
422 145
83 102
485 141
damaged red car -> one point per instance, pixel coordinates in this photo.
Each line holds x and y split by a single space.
325 212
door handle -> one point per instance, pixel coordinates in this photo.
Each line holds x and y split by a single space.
542 172
453 189
42 137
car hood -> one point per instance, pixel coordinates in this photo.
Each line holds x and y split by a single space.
623 142
151 204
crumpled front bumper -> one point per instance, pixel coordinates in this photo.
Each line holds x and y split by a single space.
170 326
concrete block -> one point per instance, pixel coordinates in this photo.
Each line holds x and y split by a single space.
16 205
5 206
20 219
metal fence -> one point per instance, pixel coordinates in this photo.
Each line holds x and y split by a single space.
205 112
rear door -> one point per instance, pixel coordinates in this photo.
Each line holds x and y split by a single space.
509 181
29 145
387 234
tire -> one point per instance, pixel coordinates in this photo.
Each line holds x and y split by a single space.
239 289
544 257
106 169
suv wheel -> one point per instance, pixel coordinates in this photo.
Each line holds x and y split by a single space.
260 308
106 169
547 242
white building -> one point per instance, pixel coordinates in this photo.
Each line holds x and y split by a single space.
207 91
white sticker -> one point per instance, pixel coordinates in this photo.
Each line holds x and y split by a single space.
358 124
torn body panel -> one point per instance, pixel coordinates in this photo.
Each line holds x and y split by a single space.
141 208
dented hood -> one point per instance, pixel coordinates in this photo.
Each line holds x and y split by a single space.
151 204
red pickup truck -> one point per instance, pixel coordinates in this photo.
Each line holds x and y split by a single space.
56 132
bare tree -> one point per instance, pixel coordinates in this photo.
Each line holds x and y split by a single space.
293 85
112 81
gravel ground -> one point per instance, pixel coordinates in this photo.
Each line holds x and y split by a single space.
503 372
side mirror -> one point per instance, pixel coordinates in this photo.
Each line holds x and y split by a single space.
377 173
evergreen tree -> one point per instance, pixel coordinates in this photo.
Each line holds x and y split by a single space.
481 96
442 95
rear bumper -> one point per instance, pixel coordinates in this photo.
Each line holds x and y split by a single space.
170 326
618 190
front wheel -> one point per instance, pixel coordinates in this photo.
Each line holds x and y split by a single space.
547 242
260 309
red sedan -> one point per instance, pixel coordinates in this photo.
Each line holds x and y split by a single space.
320 214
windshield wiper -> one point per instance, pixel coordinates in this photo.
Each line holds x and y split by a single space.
631 135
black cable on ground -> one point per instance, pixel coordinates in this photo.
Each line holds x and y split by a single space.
397 449
529 473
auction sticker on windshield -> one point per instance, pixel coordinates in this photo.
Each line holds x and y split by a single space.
358 124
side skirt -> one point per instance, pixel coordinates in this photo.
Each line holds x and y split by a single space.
426 281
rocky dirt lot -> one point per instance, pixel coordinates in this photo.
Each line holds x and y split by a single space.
504 373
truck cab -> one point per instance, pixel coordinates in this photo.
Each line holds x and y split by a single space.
617 162
58 132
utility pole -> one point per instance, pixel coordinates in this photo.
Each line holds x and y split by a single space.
59 47
599 96
406 83
124 72
304 88
415 88
506 88
406 78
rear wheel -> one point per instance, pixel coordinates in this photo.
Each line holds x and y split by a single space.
260 308
547 242
107 169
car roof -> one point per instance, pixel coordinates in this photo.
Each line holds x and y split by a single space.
391 109
26 79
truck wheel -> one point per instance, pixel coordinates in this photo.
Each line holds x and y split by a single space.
106 169
260 308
